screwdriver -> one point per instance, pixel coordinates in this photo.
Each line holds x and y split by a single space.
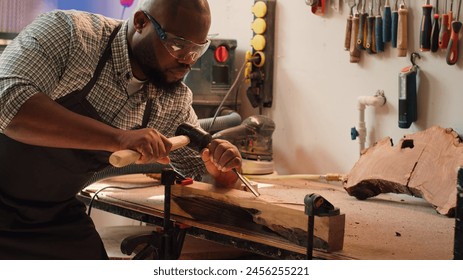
379 30
435 29
394 25
444 34
387 22
426 25
452 48
402 35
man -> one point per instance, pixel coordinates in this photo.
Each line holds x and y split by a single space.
75 87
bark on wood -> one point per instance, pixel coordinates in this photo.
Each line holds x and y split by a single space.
268 213
423 164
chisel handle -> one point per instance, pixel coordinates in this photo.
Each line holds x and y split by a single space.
402 34
387 19
452 48
379 34
354 51
426 26
347 38
370 35
444 35
394 28
362 31
125 157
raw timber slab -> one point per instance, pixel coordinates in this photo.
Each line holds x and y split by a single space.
423 164
276 217
279 210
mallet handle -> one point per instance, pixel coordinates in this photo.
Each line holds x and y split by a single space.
125 157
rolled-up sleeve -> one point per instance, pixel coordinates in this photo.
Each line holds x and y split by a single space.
32 63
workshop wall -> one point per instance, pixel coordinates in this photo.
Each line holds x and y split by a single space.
316 87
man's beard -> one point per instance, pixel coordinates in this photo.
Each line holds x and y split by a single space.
158 78
153 75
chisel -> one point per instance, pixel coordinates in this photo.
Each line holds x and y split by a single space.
387 22
379 30
361 40
347 39
354 51
394 25
402 35
370 46
435 29
452 48
426 25
444 34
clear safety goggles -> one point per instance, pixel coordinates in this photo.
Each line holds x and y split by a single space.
180 48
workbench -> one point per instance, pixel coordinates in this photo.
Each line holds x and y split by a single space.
389 226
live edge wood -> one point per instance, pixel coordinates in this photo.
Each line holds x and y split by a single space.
423 164
275 217
270 213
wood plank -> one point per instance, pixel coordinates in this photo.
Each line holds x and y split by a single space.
423 164
274 209
278 214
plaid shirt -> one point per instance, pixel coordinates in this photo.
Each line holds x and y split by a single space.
58 53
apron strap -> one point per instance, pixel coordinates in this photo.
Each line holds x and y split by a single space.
101 64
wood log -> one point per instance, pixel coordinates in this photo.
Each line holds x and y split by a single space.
423 164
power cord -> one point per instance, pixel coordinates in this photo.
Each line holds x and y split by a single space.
90 205
226 96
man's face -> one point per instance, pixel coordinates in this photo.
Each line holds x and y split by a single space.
158 50
145 55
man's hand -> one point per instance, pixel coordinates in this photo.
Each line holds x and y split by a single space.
220 158
149 143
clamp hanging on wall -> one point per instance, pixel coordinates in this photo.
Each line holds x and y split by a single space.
408 89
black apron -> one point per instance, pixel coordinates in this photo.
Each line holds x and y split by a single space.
40 216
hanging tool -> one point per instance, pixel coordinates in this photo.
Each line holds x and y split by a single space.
452 48
354 51
371 44
347 38
402 35
394 24
444 34
426 25
361 38
379 29
408 88
435 29
450 14
387 22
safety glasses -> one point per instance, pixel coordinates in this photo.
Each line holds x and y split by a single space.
180 48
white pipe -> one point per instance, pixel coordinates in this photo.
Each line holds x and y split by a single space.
376 100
